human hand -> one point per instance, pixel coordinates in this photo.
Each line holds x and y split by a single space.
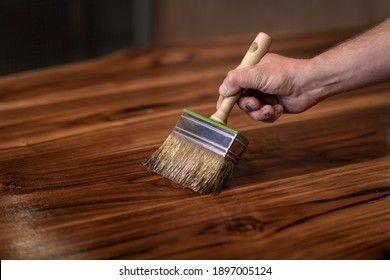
274 86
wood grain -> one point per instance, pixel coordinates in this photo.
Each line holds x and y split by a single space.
72 184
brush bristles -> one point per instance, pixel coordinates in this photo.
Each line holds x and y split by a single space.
190 165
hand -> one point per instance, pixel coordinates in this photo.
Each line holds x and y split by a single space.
278 84
274 86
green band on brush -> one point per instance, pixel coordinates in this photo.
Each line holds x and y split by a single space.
221 125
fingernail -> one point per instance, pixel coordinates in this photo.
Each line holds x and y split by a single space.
249 107
267 115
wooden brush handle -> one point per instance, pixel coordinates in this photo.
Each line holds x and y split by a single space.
255 52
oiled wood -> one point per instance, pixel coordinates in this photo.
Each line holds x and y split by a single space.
73 138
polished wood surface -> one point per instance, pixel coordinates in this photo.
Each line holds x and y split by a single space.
73 138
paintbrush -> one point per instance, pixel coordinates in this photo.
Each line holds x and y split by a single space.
200 153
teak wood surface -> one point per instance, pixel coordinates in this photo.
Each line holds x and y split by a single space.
73 138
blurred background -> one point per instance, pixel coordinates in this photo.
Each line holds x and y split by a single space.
41 33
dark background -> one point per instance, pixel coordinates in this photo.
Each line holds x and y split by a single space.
41 33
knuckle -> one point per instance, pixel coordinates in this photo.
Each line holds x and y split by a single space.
231 77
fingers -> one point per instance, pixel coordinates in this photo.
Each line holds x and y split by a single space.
261 107
267 113
249 103
257 110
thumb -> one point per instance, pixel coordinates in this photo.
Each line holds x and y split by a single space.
252 77
240 78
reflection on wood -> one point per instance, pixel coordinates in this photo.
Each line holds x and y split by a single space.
73 138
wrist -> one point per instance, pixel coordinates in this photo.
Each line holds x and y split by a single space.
322 79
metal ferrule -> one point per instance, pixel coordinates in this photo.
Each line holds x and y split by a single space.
217 138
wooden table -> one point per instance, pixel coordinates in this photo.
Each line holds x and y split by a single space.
73 138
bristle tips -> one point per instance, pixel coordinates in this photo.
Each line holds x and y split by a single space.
190 165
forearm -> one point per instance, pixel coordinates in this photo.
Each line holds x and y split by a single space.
356 63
